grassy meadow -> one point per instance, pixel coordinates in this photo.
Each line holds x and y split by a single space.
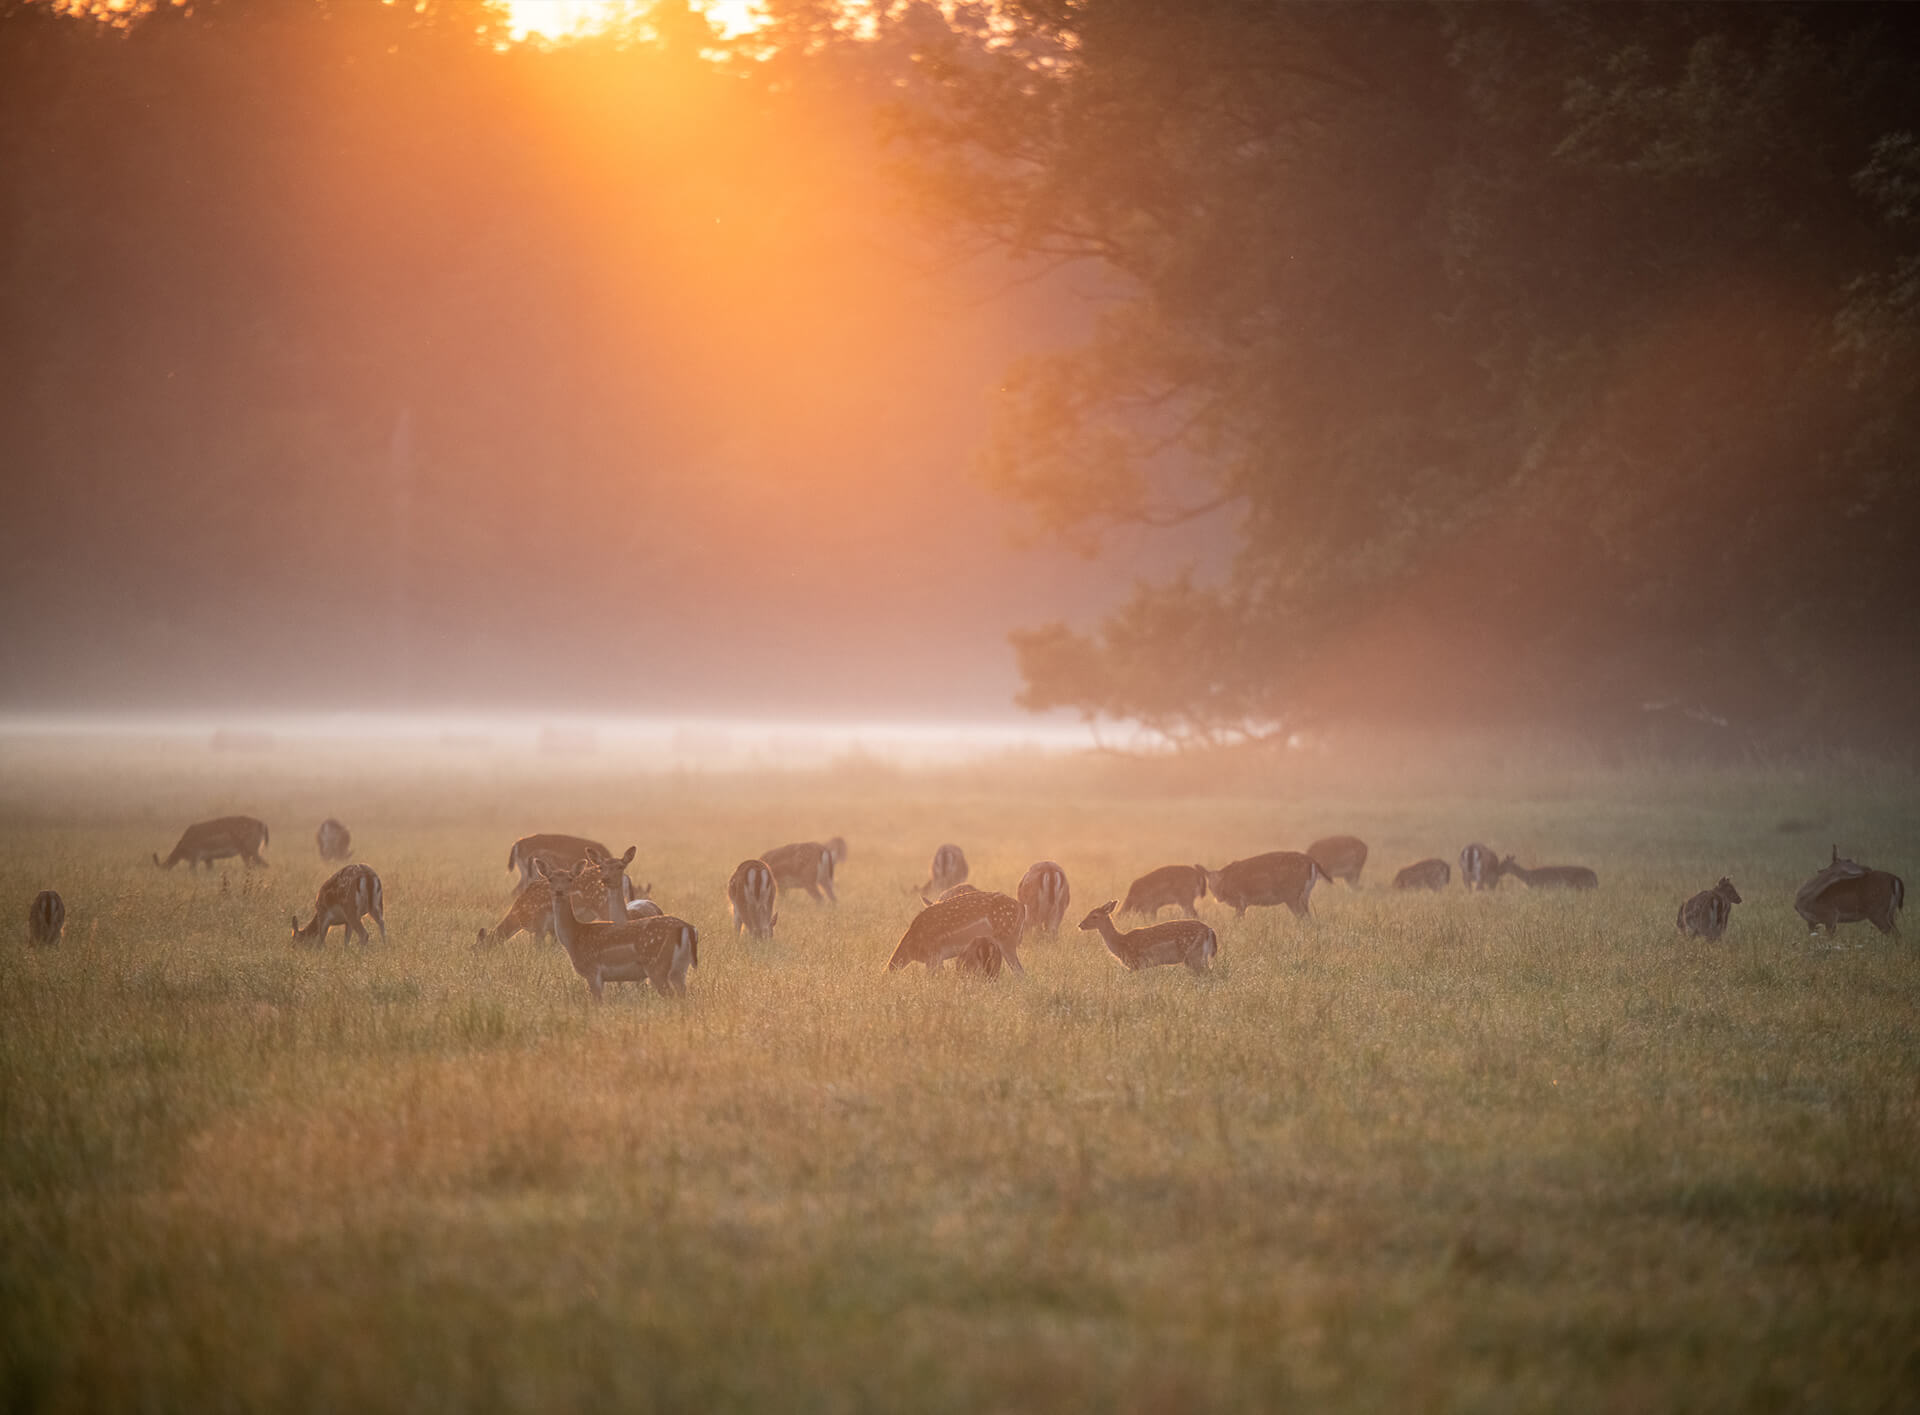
1505 1152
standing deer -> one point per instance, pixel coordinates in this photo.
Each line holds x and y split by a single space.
1427 874
1043 893
559 851
1479 868
1185 941
751 896
1551 876
808 866
1847 892
1341 857
46 918
838 845
952 926
1178 885
219 840
657 950
333 839
621 899
529 912
1705 915
949 869
352 892
1277 877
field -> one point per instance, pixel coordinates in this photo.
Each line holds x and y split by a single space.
1481 1153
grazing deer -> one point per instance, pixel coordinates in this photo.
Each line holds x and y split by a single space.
1277 877
657 950
1427 874
950 927
1341 857
1185 941
219 840
1178 885
1551 876
1479 868
333 839
559 851
1706 914
1847 892
751 896
352 892
46 918
530 914
1043 893
838 845
949 869
808 866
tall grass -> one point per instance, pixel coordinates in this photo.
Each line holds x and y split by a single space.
1508 1151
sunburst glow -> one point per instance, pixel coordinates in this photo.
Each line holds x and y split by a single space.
559 19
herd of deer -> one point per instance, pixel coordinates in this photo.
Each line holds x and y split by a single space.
623 936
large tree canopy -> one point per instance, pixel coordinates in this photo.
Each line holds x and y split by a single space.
1551 358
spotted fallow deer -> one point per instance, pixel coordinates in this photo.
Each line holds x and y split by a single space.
1176 885
1341 857
1847 892
1551 876
1426 874
1277 877
351 893
46 918
751 898
1705 915
950 927
559 851
222 839
807 865
1043 893
529 913
657 950
949 869
1479 868
1187 941
334 840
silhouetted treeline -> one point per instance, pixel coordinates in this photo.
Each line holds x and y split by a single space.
1553 359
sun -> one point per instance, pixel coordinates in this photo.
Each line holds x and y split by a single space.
557 19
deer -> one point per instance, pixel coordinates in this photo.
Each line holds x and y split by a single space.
349 894
559 851
46 918
222 839
950 927
657 950
334 840
807 865
1043 893
1341 856
946 894
1705 915
1847 892
838 845
949 869
1479 868
1187 941
1426 874
1178 885
1551 876
529 912
621 900
751 896
1277 877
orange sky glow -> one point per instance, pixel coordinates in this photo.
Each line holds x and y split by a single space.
556 19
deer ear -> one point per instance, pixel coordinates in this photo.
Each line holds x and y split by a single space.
594 855
627 859
540 868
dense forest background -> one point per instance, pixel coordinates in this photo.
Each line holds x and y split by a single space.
1449 363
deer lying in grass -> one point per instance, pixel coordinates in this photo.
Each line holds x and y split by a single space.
1341 857
1479 868
657 950
351 893
46 918
1185 941
221 839
1847 892
1705 915
751 898
334 840
949 869
1551 876
1427 874
1044 894
808 866
1178 885
952 926
1277 877
559 851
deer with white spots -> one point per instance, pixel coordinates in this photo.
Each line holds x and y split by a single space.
952 926
559 852
345 899
1187 941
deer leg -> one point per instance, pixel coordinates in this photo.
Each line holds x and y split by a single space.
358 931
831 896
